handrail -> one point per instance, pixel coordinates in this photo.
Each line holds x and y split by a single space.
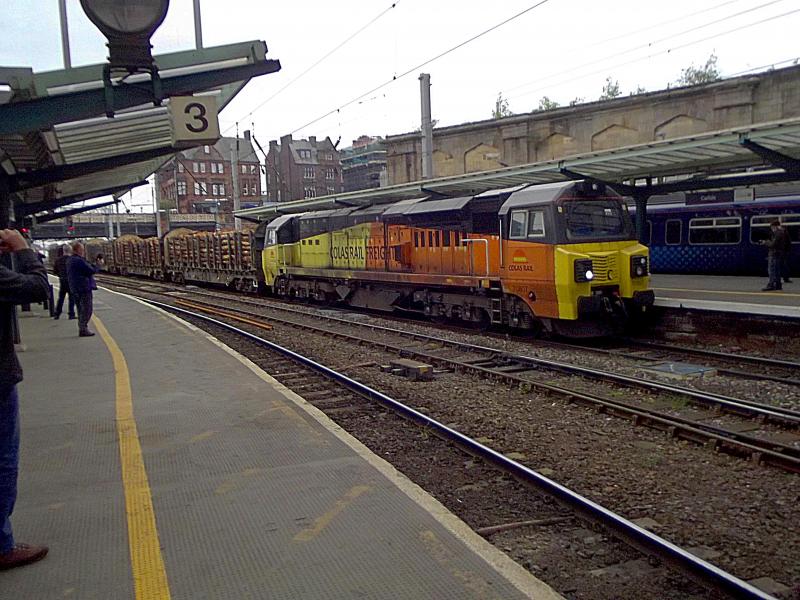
471 256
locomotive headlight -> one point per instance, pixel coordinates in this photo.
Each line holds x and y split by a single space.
583 270
639 266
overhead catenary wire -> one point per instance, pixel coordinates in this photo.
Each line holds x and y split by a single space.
317 62
649 44
422 64
667 51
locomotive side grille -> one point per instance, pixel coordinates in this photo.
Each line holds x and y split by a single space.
605 267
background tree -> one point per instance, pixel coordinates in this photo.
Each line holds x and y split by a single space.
501 108
639 90
576 101
692 75
546 104
610 89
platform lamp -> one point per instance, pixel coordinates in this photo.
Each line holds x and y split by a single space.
128 25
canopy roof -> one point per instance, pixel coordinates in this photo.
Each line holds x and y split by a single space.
707 161
58 147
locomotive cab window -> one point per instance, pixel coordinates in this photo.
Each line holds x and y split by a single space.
672 232
715 231
519 221
596 220
536 224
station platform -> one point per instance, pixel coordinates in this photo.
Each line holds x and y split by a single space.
741 295
157 463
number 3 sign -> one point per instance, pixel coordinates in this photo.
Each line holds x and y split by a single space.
194 120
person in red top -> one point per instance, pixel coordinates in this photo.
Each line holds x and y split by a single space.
26 284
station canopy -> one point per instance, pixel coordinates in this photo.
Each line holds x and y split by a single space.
59 147
758 154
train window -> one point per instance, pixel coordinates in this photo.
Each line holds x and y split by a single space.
648 233
316 242
436 238
519 220
792 225
716 231
760 231
446 238
416 239
458 238
430 239
672 232
422 239
270 238
536 224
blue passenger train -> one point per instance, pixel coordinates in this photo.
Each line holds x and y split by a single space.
720 238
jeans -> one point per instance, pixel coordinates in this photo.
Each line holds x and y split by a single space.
63 290
84 303
9 462
774 270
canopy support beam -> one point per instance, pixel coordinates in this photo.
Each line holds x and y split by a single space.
33 179
22 209
776 159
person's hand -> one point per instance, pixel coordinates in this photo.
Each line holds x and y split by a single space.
11 240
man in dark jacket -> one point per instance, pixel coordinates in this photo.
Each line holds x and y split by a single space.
787 250
60 269
27 284
80 277
778 243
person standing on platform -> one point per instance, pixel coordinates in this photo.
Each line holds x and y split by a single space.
80 277
27 284
787 250
60 268
777 244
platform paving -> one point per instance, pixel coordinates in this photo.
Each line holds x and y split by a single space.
255 493
742 295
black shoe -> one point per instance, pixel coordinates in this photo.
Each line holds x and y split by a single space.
769 288
72 317
56 317
86 334
787 281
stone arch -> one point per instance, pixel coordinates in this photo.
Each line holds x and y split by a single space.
679 126
443 164
615 136
555 146
482 157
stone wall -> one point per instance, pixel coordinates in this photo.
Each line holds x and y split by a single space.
554 134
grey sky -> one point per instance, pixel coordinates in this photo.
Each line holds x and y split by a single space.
563 49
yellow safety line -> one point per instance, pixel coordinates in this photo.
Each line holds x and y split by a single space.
773 294
147 564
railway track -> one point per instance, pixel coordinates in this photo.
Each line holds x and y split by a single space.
525 372
332 390
734 365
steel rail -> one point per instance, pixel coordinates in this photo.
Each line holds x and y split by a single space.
762 360
734 405
762 451
648 543
677 350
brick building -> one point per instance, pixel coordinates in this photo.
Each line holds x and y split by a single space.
302 169
364 164
200 180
